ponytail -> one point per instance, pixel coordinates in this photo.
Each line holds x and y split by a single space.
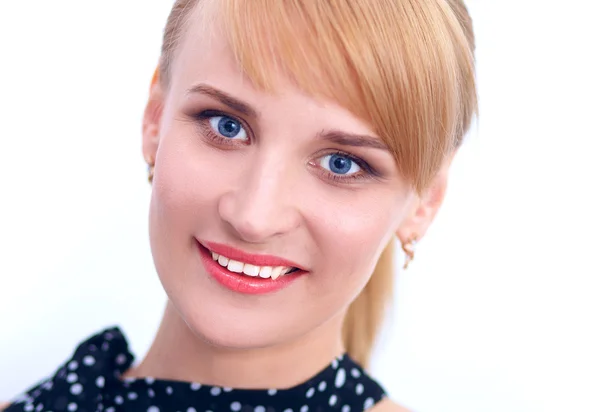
366 314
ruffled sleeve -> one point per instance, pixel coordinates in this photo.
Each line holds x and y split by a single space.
78 384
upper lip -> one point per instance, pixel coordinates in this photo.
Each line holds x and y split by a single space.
251 258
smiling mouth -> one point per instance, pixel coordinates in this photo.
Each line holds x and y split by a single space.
258 269
248 269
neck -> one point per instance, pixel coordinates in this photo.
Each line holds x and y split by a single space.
178 354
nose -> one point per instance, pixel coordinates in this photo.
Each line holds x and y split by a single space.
260 206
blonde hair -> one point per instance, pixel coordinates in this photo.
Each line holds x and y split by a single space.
404 66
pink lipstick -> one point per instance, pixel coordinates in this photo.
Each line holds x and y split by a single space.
250 273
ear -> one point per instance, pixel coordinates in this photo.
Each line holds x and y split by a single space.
152 118
425 207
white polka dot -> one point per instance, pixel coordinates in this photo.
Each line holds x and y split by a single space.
72 407
28 407
72 377
345 408
149 380
119 400
355 373
76 389
48 385
151 393
332 400
335 364
73 365
105 346
110 409
121 359
153 409
227 389
169 390
132 396
289 410
195 386
360 389
40 407
369 402
272 392
236 406
340 378
215 391
322 386
310 392
304 408
100 381
191 409
260 409
89 360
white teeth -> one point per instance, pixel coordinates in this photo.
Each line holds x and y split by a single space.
264 272
235 266
223 261
277 272
251 270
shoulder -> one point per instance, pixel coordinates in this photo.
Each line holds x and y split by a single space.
388 405
105 354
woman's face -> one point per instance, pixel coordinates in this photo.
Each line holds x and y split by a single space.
281 175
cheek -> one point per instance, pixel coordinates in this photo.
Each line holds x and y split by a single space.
351 234
183 192
187 184
189 179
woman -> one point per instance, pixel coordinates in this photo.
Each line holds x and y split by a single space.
288 143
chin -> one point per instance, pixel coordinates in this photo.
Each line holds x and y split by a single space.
220 324
231 337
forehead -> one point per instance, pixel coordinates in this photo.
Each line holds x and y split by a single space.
206 57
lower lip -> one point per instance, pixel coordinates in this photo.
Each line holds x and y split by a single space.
243 283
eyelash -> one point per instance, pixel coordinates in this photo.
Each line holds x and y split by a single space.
203 118
366 171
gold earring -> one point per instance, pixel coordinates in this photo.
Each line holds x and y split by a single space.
409 250
150 173
150 170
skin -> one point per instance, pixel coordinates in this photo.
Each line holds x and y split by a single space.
272 194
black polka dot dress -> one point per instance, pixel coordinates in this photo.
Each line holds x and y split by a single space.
91 382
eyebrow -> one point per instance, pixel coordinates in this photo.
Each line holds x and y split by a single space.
335 136
227 99
355 140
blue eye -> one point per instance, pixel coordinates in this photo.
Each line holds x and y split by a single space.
228 127
339 164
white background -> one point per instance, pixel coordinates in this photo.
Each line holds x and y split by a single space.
500 311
